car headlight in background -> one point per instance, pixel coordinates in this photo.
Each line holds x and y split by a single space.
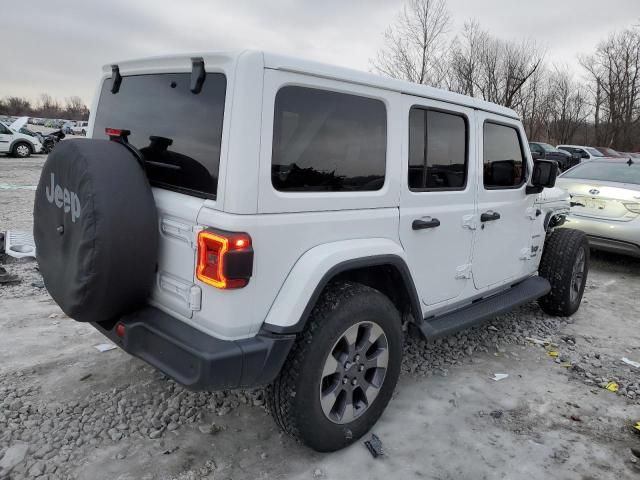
632 207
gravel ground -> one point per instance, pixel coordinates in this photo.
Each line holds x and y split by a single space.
68 411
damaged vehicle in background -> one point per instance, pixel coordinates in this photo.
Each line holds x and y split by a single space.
605 203
16 143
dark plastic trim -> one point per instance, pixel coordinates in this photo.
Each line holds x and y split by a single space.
197 360
198 75
116 79
484 309
372 261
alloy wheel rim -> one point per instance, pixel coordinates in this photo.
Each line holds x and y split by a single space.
354 372
577 275
22 150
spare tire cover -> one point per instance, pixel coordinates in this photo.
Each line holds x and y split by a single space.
95 229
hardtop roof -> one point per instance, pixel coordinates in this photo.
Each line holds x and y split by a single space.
334 72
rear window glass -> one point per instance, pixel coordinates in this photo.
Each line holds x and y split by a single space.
179 133
606 172
328 141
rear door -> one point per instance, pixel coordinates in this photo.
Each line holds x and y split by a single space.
179 135
437 200
505 212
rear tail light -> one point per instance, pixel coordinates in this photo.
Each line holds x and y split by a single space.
633 207
225 259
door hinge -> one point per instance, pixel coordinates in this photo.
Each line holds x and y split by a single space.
469 221
180 231
189 293
463 271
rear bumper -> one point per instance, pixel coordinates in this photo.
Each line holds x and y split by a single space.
196 360
612 236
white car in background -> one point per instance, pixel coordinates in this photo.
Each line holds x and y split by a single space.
15 143
81 128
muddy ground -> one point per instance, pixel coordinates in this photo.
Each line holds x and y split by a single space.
69 411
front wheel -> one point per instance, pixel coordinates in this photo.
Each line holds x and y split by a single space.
565 263
342 370
22 150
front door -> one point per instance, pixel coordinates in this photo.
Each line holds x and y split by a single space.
6 136
505 212
438 197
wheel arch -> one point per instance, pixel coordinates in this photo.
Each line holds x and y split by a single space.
21 140
384 269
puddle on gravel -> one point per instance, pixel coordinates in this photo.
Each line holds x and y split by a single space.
8 186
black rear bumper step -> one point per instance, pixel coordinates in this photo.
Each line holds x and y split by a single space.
195 359
485 309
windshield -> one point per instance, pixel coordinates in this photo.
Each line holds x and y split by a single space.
548 148
606 172
594 152
178 133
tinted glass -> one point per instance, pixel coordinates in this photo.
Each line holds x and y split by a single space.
178 132
328 141
4 130
502 157
437 150
606 172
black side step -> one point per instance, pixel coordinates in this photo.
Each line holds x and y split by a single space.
486 308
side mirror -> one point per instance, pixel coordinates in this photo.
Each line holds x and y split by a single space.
543 176
536 155
584 155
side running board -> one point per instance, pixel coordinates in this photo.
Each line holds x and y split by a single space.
485 309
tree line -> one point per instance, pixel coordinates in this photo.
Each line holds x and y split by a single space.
602 107
73 107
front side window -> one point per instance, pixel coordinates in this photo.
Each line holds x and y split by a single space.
503 160
4 130
437 150
327 141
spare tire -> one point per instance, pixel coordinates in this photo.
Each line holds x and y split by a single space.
95 229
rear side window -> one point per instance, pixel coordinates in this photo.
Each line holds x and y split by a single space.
328 141
179 133
437 150
503 160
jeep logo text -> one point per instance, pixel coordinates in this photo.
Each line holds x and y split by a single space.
63 198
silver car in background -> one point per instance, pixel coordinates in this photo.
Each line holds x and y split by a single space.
605 203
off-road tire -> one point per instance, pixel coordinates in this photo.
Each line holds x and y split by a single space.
562 249
22 150
294 397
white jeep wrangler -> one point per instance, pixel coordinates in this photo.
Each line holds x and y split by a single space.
244 219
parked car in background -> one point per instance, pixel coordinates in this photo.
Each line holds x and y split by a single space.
565 159
67 127
15 143
586 153
605 203
609 152
81 128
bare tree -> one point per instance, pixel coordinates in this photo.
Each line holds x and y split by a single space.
48 107
415 44
17 106
614 72
493 69
75 108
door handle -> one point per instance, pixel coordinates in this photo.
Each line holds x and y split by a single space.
422 224
489 216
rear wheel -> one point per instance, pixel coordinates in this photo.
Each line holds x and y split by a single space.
21 150
565 263
342 370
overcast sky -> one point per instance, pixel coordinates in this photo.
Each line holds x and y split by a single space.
59 47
